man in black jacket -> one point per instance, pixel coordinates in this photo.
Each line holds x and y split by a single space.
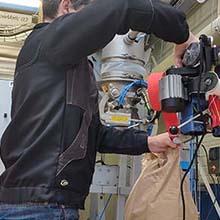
50 146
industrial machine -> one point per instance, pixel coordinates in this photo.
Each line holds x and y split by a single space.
189 98
128 95
192 91
123 70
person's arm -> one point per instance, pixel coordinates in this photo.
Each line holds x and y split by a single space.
71 37
129 141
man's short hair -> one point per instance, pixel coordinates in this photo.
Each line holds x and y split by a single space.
50 7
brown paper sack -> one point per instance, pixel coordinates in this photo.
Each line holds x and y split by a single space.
156 194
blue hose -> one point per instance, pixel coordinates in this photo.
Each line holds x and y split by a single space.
125 90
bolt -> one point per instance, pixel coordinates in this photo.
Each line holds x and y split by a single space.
110 85
115 92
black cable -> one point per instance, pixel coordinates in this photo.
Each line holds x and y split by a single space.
185 175
213 180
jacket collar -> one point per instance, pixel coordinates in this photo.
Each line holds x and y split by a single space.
40 25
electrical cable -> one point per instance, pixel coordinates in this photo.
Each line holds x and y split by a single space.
125 90
185 175
203 69
152 115
213 180
106 205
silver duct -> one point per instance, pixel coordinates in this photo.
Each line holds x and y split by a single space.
124 61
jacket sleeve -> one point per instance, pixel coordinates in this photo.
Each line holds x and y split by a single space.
112 140
71 37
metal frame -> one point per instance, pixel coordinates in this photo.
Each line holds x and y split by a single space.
208 187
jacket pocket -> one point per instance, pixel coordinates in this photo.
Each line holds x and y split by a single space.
77 149
72 123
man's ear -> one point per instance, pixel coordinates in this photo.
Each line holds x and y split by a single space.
64 7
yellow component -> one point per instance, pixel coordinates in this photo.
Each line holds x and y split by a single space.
105 88
120 118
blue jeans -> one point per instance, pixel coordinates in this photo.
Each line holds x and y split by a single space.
37 212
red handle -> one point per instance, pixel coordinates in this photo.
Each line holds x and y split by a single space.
214 108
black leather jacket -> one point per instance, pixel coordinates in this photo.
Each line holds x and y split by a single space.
50 146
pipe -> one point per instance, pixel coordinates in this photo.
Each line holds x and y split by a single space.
131 37
25 6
